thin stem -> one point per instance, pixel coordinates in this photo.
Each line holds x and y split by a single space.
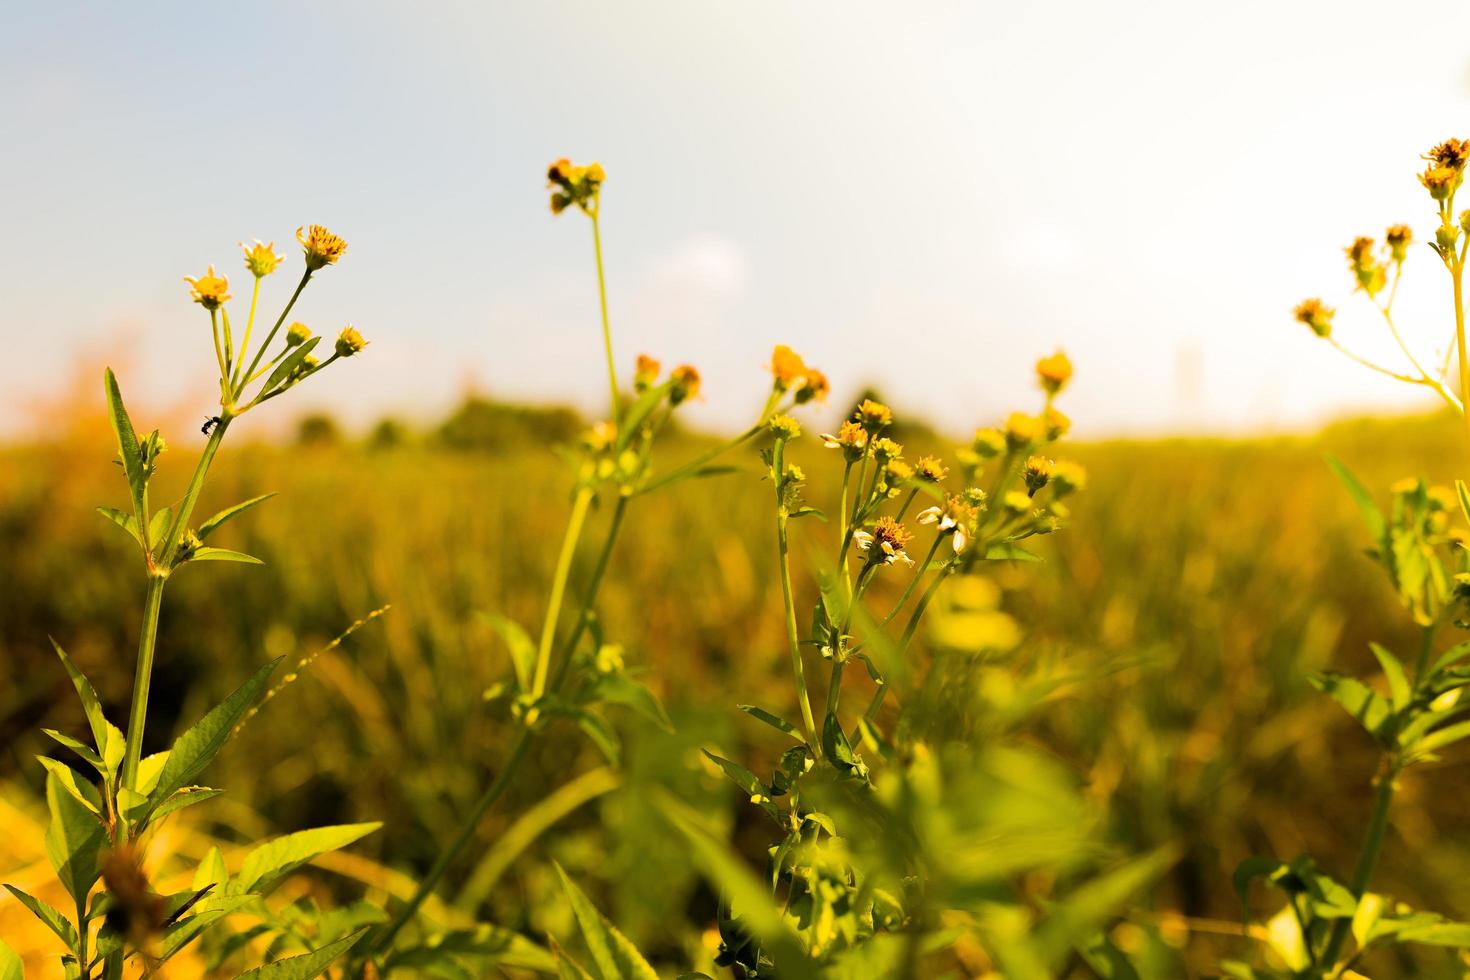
219 352
229 346
778 468
1457 274
153 601
924 600
612 371
559 588
1367 857
1426 643
249 326
589 598
908 501
449 854
914 581
701 460
255 362
142 677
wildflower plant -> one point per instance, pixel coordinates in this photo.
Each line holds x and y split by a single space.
1330 923
100 828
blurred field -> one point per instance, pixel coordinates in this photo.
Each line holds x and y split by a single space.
1202 580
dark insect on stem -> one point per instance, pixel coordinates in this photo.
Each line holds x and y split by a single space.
209 423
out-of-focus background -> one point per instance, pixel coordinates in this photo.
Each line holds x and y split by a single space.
918 200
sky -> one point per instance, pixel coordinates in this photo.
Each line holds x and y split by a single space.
923 196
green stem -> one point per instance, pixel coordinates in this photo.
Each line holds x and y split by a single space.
778 467
249 326
906 503
701 460
559 588
924 600
1458 275
449 854
1367 857
148 636
219 352
260 352
1426 644
589 598
914 581
612 370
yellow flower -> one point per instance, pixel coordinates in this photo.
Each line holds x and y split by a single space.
260 259
600 437
873 415
851 439
788 367
955 515
784 427
931 469
1022 429
886 449
1452 154
1057 424
1440 182
209 290
1398 238
885 543
1016 502
686 384
297 333
645 373
574 185
1067 477
1036 474
898 471
349 341
1054 372
1317 315
814 387
988 443
321 246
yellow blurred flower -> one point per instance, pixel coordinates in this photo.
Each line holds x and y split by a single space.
686 382
787 367
321 246
1317 315
1054 372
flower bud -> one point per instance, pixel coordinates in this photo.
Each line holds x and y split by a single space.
1440 182
1446 235
261 259
1067 477
685 386
209 290
1054 372
645 373
1036 474
1022 430
874 415
788 368
814 387
1398 238
886 449
297 334
988 443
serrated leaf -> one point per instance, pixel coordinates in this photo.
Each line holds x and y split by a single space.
307 966
91 705
196 747
229 514
53 919
614 956
74 838
775 721
270 862
123 520
518 642
1398 681
127 441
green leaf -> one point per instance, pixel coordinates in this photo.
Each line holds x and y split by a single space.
158 524
748 896
775 721
127 442
614 957
1371 711
808 512
566 967
490 945
623 690
287 366
1372 516
81 790
272 861
211 871
518 641
73 838
91 705
11 968
1464 495
197 746
601 734
80 748
1248 871
1441 737
222 554
123 520
1451 656
1398 681
185 797
1006 551
230 513
1452 934
307 966
53 919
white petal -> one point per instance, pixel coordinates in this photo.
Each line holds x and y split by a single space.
929 515
961 539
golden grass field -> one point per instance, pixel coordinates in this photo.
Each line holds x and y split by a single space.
1197 584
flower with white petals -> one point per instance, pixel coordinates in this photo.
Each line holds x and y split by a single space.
954 516
885 543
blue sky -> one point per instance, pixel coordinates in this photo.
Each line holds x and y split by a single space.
925 196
